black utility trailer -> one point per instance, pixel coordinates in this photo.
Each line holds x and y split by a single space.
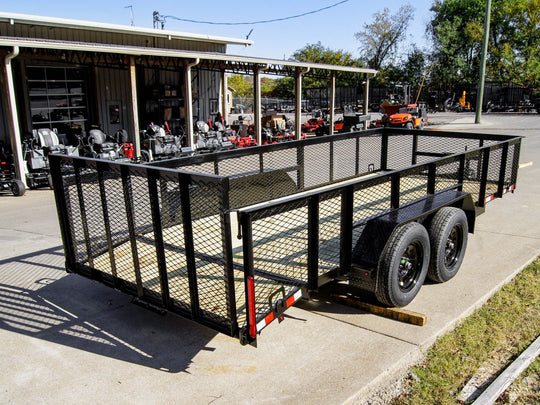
232 239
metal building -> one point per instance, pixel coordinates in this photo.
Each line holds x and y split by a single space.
71 75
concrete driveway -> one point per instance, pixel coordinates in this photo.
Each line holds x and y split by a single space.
65 339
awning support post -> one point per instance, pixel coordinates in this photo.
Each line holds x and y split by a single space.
13 118
257 111
188 101
332 101
298 102
366 101
134 108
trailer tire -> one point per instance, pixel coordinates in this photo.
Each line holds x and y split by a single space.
403 265
448 236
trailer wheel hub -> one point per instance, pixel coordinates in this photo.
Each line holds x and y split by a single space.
409 267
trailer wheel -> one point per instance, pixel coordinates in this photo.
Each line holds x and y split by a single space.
403 265
17 188
448 236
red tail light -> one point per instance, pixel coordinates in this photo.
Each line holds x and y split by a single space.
251 307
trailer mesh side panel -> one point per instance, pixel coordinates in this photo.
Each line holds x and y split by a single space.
329 232
280 252
447 175
472 174
208 244
372 199
493 173
413 186
344 165
317 161
399 151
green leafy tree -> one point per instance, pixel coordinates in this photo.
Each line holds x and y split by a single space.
514 41
317 53
242 85
380 39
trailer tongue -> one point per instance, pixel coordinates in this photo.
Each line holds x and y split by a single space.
233 239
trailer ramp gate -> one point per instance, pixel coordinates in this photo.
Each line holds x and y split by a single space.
233 239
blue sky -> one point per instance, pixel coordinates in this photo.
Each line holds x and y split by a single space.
334 27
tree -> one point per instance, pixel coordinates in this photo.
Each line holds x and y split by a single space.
241 85
514 41
317 53
380 38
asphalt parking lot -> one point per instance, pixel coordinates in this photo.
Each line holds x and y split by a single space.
66 339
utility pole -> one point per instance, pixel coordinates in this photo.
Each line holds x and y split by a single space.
130 13
481 80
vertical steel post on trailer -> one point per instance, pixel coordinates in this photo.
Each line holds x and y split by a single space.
153 176
313 242
249 335
502 171
346 229
185 202
127 192
226 235
78 165
483 177
102 167
64 211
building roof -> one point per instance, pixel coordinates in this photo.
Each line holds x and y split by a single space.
14 18
210 60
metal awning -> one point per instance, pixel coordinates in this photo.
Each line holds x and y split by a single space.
214 60
204 60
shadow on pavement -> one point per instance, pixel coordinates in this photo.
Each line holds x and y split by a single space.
39 299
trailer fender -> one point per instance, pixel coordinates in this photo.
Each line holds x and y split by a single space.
375 234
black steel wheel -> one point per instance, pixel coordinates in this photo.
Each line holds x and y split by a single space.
17 188
403 265
448 233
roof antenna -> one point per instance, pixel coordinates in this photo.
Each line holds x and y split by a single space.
249 33
158 20
130 13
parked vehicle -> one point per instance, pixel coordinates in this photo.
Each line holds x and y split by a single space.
410 116
37 149
232 239
159 143
8 181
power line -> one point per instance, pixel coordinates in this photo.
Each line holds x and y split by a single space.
255 22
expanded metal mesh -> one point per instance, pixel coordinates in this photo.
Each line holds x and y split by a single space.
447 175
372 199
493 172
329 232
413 186
280 252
